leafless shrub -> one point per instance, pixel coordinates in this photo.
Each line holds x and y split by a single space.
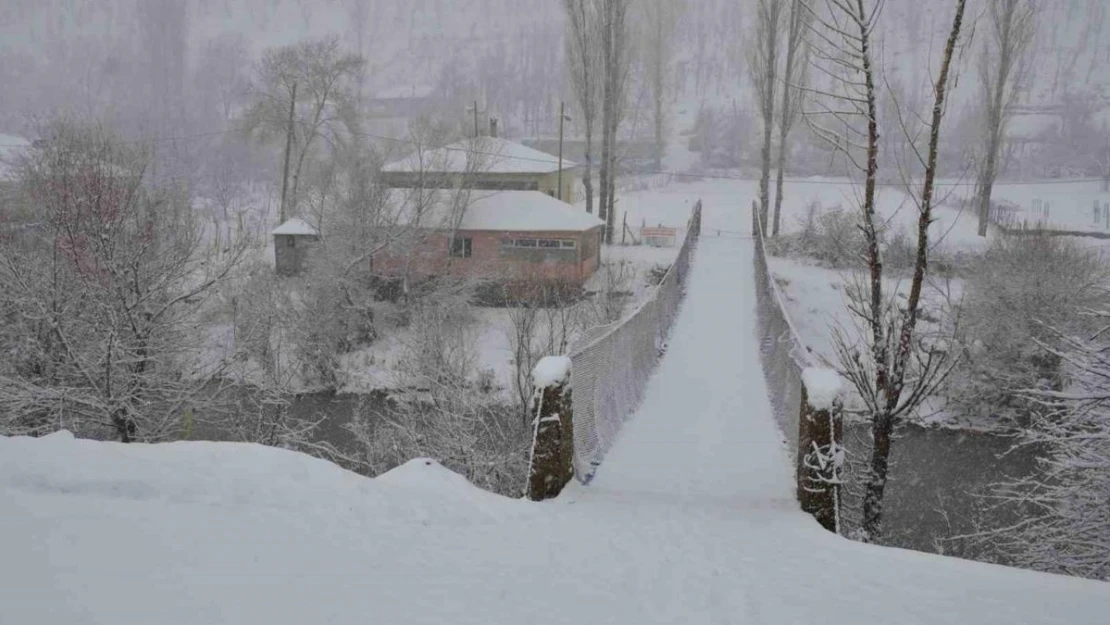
832 237
105 301
543 325
1019 293
445 414
607 304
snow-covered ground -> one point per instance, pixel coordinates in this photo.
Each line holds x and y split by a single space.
952 230
816 302
1058 204
689 520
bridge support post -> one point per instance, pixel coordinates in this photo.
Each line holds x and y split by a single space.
552 462
820 454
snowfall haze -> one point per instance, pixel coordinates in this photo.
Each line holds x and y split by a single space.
554 311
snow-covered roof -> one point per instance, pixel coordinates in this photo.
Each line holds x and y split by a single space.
514 211
488 155
296 226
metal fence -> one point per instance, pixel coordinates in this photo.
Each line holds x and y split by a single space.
611 369
782 352
784 356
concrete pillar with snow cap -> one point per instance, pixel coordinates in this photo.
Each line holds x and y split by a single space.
820 453
552 462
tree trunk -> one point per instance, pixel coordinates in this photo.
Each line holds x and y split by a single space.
788 113
606 115
770 75
765 173
611 193
986 188
659 84
881 423
588 171
876 481
894 386
778 185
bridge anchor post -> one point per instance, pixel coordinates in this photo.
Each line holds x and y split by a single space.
820 453
552 462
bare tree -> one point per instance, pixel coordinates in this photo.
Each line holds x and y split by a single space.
794 74
543 323
315 80
585 73
898 370
763 66
616 53
659 30
109 293
1003 66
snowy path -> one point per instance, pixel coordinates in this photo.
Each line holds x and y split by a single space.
704 428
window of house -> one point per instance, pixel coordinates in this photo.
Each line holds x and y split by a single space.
461 247
569 245
291 241
549 243
525 243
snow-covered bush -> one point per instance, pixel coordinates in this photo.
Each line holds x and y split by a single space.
446 414
1063 505
1021 291
831 236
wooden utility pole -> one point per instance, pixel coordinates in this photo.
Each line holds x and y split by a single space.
475 119
562 116
288 149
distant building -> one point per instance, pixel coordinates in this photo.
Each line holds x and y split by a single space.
500 236
487 163
294 243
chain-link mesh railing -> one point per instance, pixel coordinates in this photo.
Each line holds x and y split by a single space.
782 352
611 368
784 357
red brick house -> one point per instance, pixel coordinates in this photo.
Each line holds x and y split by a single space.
502 236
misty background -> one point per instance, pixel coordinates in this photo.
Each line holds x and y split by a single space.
180 71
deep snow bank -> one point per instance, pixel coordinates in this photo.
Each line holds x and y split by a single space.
212 533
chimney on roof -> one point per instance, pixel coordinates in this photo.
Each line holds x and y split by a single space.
493 127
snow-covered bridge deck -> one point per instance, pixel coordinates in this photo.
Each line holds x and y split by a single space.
704 428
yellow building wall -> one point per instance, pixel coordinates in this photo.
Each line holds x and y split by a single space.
550 184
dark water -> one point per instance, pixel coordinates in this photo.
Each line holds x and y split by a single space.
333 411
338 410
937 481
937 477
